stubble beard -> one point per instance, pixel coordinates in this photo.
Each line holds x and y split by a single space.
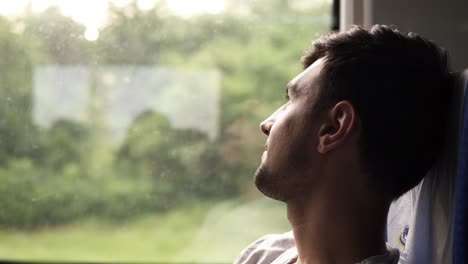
267 184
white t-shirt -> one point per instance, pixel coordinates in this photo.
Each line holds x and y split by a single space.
281 249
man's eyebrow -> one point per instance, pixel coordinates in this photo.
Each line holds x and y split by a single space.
290 89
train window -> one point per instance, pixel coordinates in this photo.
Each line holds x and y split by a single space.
129 129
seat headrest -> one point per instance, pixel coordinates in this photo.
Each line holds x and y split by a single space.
460 241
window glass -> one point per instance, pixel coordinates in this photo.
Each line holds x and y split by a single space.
129 129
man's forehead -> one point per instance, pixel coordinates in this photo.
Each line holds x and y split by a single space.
306 76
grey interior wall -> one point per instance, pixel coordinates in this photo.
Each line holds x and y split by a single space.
445 22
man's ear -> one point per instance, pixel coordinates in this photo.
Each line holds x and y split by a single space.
337 127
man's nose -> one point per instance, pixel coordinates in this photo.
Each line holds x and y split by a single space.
266 125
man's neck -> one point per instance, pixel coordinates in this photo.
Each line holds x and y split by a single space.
334 228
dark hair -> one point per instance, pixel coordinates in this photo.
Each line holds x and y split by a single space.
399 85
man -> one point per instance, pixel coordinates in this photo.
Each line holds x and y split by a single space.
362 125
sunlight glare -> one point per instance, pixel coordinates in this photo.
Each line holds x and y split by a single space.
41 5
91 34
146 4
93 13
189 8
121 3
12 7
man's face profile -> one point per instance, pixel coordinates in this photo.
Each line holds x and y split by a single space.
287 164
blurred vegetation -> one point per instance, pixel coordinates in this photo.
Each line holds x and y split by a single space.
201 232
52 176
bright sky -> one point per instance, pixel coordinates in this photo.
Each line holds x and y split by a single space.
92 13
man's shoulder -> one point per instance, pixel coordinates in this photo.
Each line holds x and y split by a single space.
281 249
267 249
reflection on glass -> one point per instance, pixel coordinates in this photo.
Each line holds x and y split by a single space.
189 99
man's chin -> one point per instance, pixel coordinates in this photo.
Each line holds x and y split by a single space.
267 184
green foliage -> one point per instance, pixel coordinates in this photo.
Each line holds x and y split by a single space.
72 170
